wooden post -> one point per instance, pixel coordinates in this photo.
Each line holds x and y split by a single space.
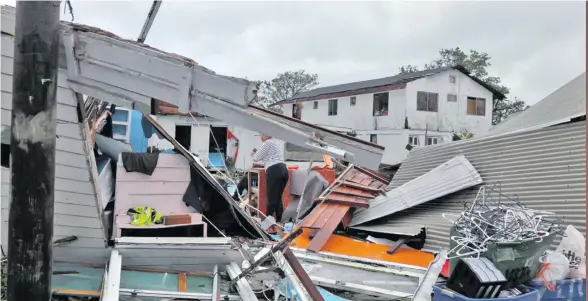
30 223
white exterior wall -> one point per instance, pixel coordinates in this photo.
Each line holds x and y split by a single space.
358 117
451 116
390 130
248 140
76 211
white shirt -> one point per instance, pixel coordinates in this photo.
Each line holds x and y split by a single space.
270 153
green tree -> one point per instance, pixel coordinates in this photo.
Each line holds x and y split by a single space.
285 86
476 63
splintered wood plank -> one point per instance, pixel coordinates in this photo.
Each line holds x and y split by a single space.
323 235
349 201
353 192
325 216
182 285
314 215
363 187
347 218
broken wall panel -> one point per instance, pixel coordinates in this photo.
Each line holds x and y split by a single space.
105 66
452 176
76 190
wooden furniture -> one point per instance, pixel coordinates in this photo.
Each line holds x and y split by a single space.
256 186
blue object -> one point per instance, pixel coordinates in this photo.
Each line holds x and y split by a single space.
216 160
444 294
565 290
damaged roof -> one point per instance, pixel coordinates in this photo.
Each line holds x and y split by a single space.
362 86
563 105
544 168
451 176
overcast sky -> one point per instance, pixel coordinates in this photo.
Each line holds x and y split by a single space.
536 47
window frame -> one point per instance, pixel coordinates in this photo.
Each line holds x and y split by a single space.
315 105
452 79
434 138
379 102
352 101
477 101
127 137
333 109
427 95
411 139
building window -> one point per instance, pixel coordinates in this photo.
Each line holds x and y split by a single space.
432 140
297 110
476 106
332 107
121 121
315 105
452 79
381 104
5 153
374 138
451 97
427 101
413 140
352 100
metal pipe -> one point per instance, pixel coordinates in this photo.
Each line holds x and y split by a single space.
150 18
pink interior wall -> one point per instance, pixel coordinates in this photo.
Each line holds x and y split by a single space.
163 190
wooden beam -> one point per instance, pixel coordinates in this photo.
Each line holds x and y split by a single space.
182 286
323 235
302 275
349 203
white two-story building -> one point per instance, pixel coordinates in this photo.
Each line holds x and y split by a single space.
420 108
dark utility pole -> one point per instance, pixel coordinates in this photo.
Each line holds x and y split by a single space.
30 224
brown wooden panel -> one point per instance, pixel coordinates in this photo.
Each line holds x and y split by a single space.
355 203
325 216
347 218
321 237
353 192
314 215
364 187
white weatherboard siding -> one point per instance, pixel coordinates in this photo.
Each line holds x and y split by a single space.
76 211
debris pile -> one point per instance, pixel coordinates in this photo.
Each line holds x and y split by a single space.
495 218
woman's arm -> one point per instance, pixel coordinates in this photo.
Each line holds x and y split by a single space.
261 153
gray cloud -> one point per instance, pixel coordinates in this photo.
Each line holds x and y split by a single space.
535 46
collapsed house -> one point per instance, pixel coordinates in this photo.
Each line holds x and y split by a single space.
98 179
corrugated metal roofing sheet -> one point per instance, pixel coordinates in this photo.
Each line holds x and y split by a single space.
560 106
453 175
545 168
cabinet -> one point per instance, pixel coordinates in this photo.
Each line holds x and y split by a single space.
256 186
